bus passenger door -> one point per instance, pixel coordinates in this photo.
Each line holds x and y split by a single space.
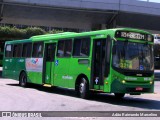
101 62
49 58
98 64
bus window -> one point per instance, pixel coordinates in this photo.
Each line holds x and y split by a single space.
60 51
37 50
81 47
64 48
27 48
68 48
8 51
17 50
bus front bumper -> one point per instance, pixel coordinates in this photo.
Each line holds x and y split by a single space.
131 88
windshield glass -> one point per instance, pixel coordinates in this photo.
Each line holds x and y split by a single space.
133 56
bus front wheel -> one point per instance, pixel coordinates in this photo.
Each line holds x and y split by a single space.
83 89
119 95
23 79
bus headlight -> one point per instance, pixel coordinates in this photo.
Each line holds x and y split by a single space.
123 81
150 82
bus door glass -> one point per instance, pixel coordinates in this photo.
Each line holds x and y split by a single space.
49 62
101 61
98 62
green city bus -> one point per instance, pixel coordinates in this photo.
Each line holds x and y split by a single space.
118 61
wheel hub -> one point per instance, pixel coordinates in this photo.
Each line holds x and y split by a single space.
81 88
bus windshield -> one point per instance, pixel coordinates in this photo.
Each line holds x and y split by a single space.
133 56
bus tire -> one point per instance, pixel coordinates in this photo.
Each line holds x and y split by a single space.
83 88
119 95
23 79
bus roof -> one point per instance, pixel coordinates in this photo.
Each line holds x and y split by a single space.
19 41
46 35
73 34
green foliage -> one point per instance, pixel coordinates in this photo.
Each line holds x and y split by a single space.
17 33
34 31
55 31
5 31
12 33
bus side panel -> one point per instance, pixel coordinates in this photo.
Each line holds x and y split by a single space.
107 83
61 72
20 65
14 63
34 69
77 67
67 70
35 77
8 68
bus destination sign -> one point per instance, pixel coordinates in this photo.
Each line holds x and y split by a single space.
130 35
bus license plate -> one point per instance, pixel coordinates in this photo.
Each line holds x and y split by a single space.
139 88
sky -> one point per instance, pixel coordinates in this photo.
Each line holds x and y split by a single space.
158 1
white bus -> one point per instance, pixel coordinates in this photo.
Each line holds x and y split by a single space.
156 38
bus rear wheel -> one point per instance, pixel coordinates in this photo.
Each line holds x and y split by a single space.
83 89
23 79
119 95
